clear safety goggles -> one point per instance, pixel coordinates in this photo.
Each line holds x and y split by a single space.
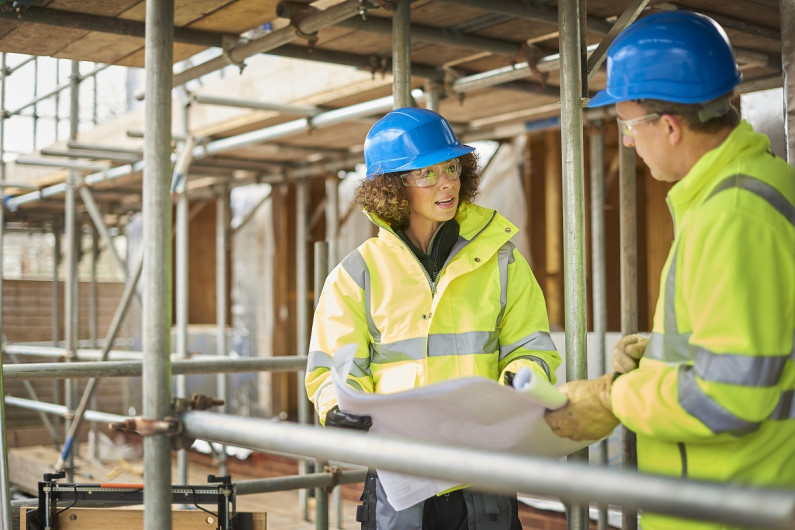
428 176
628 126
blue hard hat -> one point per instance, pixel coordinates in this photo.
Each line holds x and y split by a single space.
410 138
676 56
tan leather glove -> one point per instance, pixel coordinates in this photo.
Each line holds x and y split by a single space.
627 353
588 414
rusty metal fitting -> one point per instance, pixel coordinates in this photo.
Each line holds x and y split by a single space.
144 427
202 402
335 473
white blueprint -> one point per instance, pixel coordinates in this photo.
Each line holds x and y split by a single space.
468 412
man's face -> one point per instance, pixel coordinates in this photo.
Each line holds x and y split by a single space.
649 135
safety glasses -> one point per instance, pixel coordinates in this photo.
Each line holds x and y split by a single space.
628 126
428 176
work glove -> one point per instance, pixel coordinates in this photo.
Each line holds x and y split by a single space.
588 415
345 420
627 353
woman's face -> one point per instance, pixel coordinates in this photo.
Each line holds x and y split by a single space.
436 204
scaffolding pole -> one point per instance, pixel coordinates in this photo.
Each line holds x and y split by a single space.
182 267
221 244
401 54
500 471
71 301
628 242
570 16
33 371
787 21
157 261
598 276
301 316
5 497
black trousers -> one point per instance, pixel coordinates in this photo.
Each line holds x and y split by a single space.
465 509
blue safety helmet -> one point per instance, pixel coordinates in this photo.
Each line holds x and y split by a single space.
410 138
675 56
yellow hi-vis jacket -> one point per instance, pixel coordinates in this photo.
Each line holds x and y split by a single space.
484 315
714 396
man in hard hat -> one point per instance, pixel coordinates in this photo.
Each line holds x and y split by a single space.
440 293
712 394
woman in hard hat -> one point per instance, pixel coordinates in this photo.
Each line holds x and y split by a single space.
440 293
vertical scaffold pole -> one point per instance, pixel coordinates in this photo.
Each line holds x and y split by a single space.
571 75
301 313
628 241
71 304
401 54
787 8
5 497
222 349
181 285
598 274
156 322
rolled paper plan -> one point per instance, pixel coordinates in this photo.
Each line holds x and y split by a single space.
527 382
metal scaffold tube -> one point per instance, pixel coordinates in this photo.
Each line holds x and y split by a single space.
5 498
307 25
34 371
787 9
182 267
629 286
156 321
598 276
71 285
401 53
221 244
506 472
569 12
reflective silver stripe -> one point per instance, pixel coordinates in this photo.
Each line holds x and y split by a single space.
747 370
437 345
705 409
356 268
760 188
539 341
669 317
785 410
670 348
470 343
504 259
318 359
360 367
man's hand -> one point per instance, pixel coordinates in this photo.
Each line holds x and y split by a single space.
588 414
345 420
627 353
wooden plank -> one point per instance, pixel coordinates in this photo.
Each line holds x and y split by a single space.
238 17
124 518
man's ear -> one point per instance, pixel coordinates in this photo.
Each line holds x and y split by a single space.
673 129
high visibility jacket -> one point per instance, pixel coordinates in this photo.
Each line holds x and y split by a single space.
714 396
484 315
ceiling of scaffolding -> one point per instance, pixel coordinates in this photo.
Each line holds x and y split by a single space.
493 63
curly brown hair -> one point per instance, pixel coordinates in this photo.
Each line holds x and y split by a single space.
385 195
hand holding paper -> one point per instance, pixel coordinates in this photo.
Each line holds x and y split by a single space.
588 414
539 388
472 411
